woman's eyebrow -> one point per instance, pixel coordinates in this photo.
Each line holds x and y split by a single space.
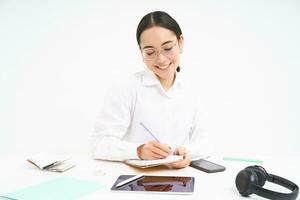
147 47
167 42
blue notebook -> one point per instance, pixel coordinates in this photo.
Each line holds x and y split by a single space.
62 188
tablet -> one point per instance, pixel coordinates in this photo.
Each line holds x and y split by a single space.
157 184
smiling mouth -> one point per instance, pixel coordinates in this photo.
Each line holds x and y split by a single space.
164 66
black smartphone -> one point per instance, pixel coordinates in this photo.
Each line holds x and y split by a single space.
207 166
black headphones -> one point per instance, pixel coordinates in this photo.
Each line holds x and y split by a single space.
252 179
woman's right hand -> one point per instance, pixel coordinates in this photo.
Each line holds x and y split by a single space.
153 150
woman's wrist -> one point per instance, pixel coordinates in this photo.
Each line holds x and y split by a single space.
139 151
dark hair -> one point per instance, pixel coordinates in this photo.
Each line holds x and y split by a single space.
158 18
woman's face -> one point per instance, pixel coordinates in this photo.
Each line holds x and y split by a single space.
161 52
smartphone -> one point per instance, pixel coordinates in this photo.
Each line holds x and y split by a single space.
207 166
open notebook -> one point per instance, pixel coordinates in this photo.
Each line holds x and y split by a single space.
151 163
55 163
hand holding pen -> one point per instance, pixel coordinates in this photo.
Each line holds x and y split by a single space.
153 149
146 150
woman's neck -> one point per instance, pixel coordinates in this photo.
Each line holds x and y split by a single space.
167 83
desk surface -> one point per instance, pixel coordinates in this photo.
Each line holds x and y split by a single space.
16 173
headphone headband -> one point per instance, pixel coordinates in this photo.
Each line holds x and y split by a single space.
251 180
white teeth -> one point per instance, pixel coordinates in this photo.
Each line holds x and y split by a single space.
163 67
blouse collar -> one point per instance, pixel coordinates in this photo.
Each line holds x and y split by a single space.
149 78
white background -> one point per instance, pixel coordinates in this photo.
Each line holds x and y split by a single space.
58 58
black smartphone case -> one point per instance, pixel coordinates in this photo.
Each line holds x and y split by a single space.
207 166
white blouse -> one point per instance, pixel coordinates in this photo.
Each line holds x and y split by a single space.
171 116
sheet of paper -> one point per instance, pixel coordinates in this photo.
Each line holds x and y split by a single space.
151 163
62 188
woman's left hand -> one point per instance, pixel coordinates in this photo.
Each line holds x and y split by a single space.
182 151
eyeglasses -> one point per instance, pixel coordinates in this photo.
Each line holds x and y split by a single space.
167 50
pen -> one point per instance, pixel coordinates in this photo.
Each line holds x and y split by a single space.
134 178
242 159
149 131
172 151
189 133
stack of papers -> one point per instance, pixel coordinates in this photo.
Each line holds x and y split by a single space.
51 162
152 163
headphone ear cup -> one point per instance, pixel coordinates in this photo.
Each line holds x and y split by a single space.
260 173
244 181
262 177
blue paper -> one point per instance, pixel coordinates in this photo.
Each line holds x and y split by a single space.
62 188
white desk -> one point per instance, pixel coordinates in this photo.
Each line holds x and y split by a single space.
16 173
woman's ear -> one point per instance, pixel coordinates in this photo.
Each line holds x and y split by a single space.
181 43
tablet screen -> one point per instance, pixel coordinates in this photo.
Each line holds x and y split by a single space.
161 184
